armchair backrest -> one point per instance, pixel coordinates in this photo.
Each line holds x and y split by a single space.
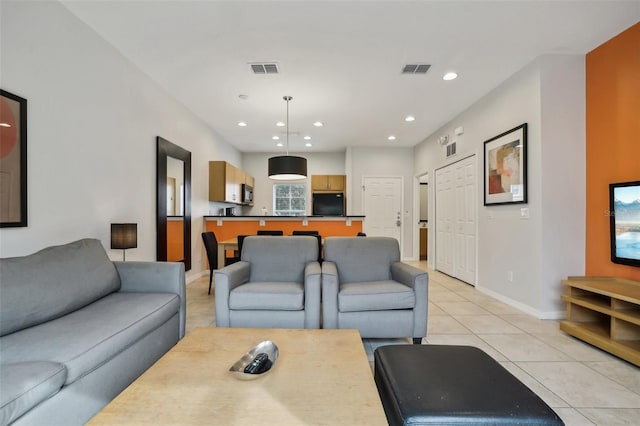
362 259
279 258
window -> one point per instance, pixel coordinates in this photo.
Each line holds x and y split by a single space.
290 199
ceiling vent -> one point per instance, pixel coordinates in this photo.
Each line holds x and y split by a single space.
416 69
264 68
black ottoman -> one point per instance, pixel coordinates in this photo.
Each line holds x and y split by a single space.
450 385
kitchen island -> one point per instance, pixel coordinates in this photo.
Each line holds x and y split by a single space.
226 227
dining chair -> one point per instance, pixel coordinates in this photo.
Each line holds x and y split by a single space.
211 247
270 232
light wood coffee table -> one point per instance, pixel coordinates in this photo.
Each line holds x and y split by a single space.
322 377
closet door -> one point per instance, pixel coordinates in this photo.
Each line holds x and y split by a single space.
456 219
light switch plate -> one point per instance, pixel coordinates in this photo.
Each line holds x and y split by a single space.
524 213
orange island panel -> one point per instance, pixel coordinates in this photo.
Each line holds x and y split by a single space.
226 227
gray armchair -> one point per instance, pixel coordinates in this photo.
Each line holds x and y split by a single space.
365 286
276 284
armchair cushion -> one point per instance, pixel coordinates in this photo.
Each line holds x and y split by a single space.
374 257
276 296
375 296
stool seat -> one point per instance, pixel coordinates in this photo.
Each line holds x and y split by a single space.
444 384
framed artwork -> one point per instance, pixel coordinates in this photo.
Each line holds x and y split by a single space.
13 160
505 167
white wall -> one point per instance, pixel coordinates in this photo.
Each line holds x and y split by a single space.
548 94
93 118
318 163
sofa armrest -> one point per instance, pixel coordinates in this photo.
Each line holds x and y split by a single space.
155 277
312 286
418 280
227 279
330 287
407 274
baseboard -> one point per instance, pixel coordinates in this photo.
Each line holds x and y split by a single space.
544 315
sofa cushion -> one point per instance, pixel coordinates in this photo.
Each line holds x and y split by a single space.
91 336
375 296
280 259
24 385
53 282
362 258
276 296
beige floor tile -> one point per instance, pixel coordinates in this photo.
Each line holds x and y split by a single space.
531 324
619 371
446 296
460 308
435 310
523 347
572 417
552 400
575 348
497 308
612 416
487 324
581 386
465 340
445 324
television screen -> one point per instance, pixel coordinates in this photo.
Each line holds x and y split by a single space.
624 200
328 204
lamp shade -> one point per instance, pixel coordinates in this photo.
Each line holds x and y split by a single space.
124 235
287 167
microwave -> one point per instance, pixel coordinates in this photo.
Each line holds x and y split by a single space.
247 194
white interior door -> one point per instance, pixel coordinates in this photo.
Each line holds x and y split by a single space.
382 205
444 220
456 220
465 225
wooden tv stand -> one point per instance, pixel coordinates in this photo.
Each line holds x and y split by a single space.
604 312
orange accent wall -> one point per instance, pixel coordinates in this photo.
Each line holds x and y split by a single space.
613 141
175 240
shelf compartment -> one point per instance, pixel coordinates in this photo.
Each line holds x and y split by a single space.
623 330
597 335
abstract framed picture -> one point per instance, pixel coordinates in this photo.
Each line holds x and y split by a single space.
505 167
13 160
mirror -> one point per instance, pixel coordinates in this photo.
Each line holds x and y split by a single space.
173 208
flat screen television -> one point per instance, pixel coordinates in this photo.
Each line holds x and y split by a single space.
624 212
328 204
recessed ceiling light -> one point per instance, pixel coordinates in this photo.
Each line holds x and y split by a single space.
243 97
5 125
450 76
308 144
318 124
307 138
275 138
279 144
409 118
242 124
280 124
392 138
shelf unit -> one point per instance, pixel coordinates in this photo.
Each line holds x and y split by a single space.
604 312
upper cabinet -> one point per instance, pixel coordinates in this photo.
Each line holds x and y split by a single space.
225 182
328 183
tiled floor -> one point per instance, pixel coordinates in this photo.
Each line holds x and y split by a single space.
584 385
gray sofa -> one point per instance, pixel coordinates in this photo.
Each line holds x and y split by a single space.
365 286
276 284
76 329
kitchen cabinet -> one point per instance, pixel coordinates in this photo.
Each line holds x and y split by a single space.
328 183
225 182
424 233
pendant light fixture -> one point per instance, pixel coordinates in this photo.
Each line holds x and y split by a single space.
287 167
